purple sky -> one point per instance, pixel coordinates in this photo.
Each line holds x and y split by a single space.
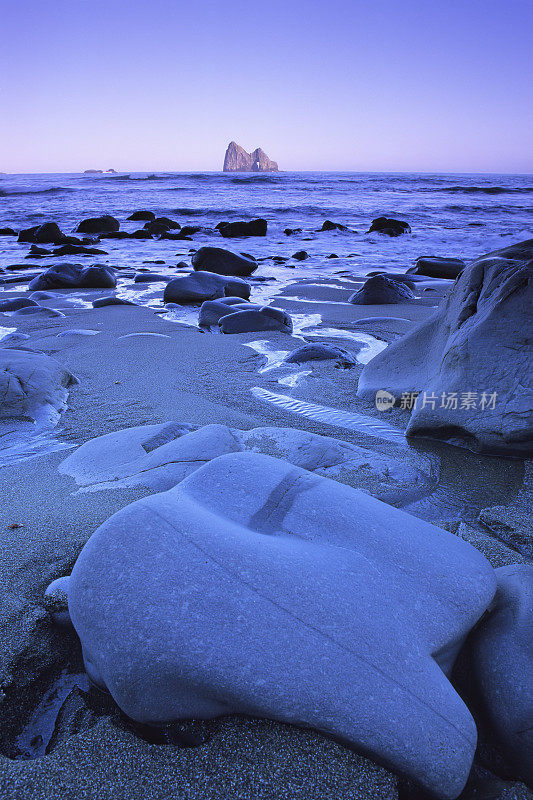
341 85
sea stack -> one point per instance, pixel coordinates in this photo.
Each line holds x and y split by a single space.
238 160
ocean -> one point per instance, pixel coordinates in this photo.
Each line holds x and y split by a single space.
450 215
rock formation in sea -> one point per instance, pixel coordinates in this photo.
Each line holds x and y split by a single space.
238 160
469 365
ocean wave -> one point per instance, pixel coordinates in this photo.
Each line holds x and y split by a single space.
51 190
485 189
255 179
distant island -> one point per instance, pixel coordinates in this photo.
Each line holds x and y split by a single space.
97 171
238 160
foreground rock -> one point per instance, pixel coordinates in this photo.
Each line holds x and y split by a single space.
160 456
435 267
68 276
105 224
238 160
321 352
501 650
202 286
234 230
455 360
212 311
389 227
194 572
32 385
262 318
381 290
223 262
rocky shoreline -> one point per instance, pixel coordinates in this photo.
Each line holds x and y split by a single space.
205 371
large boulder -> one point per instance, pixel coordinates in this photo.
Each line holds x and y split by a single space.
67 276
223 262
235 230
501 652
381 290
32 385
265 318
363 603
470 363
200 286
389 227
104 224
437 267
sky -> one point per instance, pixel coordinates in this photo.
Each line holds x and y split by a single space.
363 85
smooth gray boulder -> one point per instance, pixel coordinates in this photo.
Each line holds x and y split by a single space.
264 318
501 651
73 276
361 601
14 303
471 362
200 286
223 262
32 385
159 456
381 290
317 351
213 310
436 267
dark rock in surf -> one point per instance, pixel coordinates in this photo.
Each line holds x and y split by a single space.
104 224
142 216
151 277
301 255
292 231
78 250
256 227
48 233
223 262
435 267
212 311
63 276
389 227
381 290
328 225
266 318
7 232
200 286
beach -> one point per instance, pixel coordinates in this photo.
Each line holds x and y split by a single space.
150 364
